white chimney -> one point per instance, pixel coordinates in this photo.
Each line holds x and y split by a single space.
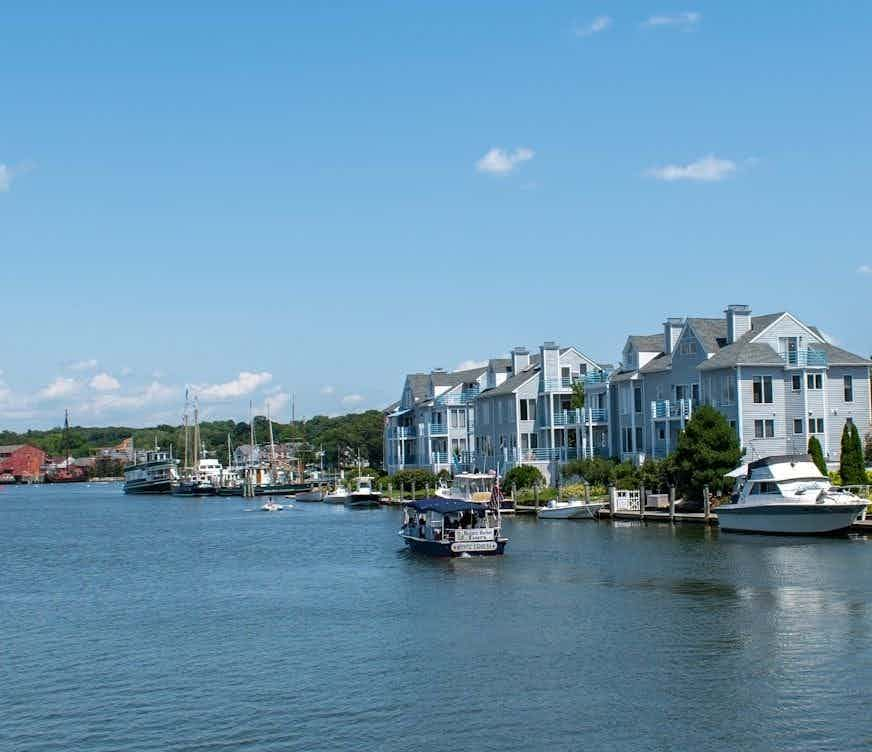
671 330
738 321
520 359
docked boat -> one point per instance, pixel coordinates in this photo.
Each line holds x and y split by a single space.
787 495
447 527
157 473
337 496
315 493
363 495
477 488
571 509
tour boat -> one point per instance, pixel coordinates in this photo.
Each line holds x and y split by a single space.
158 473
447 527
363 494
570 509
788 495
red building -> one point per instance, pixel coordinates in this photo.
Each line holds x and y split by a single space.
21 461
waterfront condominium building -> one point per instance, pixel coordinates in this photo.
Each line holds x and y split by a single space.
526 418
431 426
776 379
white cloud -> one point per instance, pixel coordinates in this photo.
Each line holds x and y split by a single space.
154 393
104 382
58 388
5 177
278 402
708 169
83 365
327 389
501 162
600 23
246 383
466 365
684 21
864 269
352 399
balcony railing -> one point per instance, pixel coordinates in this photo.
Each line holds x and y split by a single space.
463 397
596 377
403 432
438 429
669 409
439 458
579 417
804 358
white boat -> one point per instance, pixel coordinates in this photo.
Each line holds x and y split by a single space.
476 488
787 495
337 496
156 473
570 509
363 494
448 527
271 506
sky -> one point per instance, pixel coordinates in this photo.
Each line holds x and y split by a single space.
254 200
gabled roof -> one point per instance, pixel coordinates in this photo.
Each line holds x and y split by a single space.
420 384
660 364
453 378
712 333
647 342
512 383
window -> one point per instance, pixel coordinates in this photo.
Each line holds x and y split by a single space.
797 425
638 444
637 399
680 391
694 392
764 429
849 388
762 390
796 382
815 381
815 425
662 434
733 424
687 348
528 409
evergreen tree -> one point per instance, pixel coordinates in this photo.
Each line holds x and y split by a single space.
852 468
867 449
857 456
707 449
817 454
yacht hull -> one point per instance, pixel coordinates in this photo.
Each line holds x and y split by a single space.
148 486
187 489
570 512
789 519
362 500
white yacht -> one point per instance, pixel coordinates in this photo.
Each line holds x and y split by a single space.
337 496
787 495
363 495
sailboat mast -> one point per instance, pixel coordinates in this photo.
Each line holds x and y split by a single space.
196 433
272 446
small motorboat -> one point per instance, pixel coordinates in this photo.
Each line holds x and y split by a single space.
570 509
446 527
337 496
787 495
363 494
271 506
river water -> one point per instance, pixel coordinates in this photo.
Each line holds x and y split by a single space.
135 623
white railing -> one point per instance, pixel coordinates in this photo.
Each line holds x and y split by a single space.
627 501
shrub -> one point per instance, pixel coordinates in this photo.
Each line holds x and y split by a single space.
403 479
597 471
523 476
817 454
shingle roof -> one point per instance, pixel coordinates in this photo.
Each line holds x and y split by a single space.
511 383
647 342
661 363
622 375
420 383
711 332
836 356
742 353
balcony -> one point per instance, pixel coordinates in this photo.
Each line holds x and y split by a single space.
805 358
403 432
439 458
579 417
463 397
596 377
438 429
672 409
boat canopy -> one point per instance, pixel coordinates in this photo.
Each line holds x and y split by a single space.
443 506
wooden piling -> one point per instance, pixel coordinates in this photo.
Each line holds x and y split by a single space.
672 503
706 502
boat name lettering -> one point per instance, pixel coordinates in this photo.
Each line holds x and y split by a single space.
476 534
474 546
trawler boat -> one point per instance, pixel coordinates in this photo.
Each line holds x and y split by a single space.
158 473
475 487
788 495
571 509
447 527
363 494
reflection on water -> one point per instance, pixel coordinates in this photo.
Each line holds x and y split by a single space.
156 623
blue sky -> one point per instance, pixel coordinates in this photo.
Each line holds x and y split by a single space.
260 199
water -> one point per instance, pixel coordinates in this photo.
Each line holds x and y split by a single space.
157 623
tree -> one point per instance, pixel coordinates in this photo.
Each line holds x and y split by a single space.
576 401
867 449
597 471
707 450
653 475
523 476
817 454
852 467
